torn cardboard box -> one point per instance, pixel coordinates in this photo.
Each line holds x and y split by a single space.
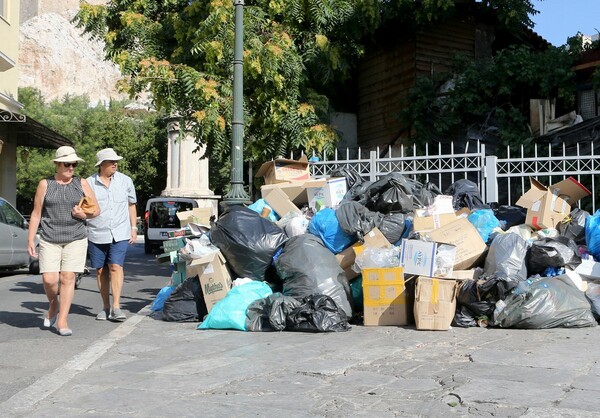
214 277
547 206
283 170
196 215
435 303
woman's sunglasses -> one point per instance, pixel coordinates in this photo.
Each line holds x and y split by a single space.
67 165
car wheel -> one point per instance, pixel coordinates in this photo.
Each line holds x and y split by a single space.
34 267
147 246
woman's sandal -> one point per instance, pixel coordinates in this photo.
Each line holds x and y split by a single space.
65 332
48 322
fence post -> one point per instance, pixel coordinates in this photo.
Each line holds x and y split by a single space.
491 179
373 166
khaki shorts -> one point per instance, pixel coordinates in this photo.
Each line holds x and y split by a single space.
63 257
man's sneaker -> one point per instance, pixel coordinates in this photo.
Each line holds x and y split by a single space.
117 315
103 315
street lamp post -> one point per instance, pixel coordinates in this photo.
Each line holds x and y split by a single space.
237 195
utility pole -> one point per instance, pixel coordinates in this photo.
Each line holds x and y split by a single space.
237 195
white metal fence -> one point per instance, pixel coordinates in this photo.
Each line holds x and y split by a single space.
501 180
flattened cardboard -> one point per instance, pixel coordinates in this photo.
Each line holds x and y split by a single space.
435 303
429 223
214 277
196 215
280 202
470 248
283 170
294 191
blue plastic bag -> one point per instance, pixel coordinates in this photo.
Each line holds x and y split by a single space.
258 207
485 221
326 226
592 234
161 296
230 312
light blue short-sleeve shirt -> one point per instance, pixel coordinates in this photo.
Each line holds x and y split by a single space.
113 223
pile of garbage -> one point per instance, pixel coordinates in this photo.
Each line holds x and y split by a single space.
319 255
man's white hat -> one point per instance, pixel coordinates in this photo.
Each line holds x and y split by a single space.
107 154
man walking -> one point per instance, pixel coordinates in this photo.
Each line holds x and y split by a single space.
112 231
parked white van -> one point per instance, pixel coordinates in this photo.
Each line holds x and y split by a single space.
160 217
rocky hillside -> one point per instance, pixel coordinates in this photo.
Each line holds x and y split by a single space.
58 60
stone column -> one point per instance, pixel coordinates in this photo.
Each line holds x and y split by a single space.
187 171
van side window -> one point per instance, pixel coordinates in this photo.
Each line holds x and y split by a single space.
9 215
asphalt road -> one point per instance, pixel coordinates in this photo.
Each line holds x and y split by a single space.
28 351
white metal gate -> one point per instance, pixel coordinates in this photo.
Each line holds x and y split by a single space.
501 180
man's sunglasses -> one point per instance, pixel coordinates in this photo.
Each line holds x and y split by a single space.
67 165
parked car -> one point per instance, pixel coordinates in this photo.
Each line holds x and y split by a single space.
13 239
160 217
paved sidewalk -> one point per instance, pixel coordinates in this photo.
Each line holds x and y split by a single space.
151 368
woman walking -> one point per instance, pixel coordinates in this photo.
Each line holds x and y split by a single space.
63 234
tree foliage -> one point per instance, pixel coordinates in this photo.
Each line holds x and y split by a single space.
137 135
182 52
294 52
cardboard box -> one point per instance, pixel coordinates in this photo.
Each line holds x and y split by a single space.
346 258
294 191
547 206
283 171
425 258
470 248
429 223
435 303
280 202
214 277
196 215
325 193
472 274
384 296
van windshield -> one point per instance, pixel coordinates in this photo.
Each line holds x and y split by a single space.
163 214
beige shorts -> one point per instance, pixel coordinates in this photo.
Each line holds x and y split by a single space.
63 257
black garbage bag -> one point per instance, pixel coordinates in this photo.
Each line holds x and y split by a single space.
392 226
270 313
424 195
548 302
509 216
573 226
307 267
351 175
472 304
506 257
465 194
185 303
464 318
358 192
247 241
559 251
356 220
396 198
317 313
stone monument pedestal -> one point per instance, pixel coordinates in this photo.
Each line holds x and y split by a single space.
187 171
